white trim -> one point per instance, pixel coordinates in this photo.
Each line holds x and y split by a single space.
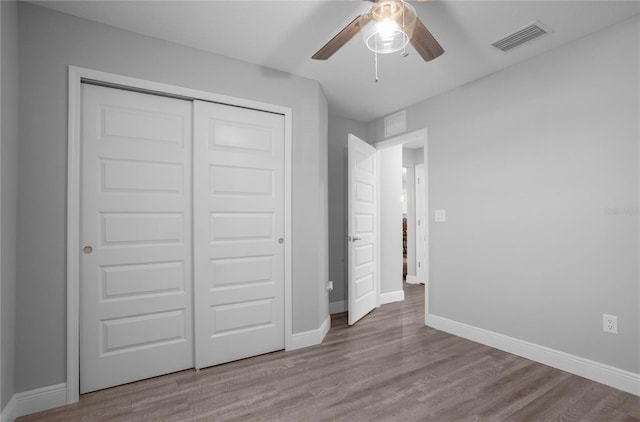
76 75
425 218
73 238
337 307
288 228
40 399
390 297
311 337
411 279
1 201
378 226
413 138
421 205
595 371
8 414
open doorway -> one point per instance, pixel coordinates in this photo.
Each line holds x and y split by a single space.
405 198
374 216
412 163
413 221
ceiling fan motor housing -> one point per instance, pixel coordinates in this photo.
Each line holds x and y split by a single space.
388 26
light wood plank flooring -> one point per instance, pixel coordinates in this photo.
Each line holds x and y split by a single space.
388 367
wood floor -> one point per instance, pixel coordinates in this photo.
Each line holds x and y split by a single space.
388 367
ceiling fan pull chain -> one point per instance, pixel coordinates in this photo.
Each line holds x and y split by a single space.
375 60
404 48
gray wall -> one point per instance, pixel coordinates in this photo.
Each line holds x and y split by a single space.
390 188
48 42
408 157
537 168
408 163
339 129
8 178
322 230
418 156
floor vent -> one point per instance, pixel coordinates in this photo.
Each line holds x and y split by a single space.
528 33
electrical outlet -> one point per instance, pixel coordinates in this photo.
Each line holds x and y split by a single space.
610 324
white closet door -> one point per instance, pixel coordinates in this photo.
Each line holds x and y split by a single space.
238 227
136 279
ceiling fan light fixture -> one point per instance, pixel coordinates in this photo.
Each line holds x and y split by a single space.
385 38
391 25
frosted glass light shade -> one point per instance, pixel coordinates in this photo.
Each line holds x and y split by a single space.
388 26
385 38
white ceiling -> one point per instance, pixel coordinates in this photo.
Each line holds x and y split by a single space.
285 34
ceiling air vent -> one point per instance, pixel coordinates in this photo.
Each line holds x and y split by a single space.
530 32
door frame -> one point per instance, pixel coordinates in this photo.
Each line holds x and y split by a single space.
78 75
420 195
418 137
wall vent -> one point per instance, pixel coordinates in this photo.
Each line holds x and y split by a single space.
395 123
530 32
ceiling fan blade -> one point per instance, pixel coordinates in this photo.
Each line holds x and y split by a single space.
425 43
338 41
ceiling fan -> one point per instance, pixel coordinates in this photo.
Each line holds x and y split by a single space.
388 26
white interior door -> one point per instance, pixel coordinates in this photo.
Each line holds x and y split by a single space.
362 223
135 286
238 232
421 226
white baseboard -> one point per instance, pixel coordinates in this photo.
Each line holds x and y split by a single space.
337 307
8 414
40 399
311 337
390 297
411 279
595 371
44 398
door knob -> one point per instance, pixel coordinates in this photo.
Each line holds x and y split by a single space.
352 239
87 249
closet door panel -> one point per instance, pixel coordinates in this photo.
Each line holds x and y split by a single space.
238 222
136 263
